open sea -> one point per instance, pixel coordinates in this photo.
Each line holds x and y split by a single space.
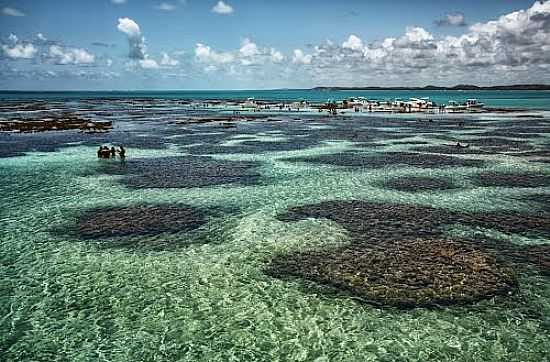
274 237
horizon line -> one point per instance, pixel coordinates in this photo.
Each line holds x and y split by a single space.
279 89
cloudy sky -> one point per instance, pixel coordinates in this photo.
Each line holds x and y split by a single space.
264 44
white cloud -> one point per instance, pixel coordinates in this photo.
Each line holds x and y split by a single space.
20 51
301 58
136 41
248 54
353 43
118 2
166 60
276 56
64 56
129 27
513 47
205 54
13 38
12 12
41 37
222 8
248 48
166 7
148 63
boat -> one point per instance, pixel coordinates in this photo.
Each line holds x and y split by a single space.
472 103
420 104
455 107
249 103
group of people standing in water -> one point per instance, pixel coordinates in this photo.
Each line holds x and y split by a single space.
105 152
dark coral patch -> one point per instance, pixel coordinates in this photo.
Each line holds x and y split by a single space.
512 222
139 220
378 160
182 172
451 150
495 179
414 184
407 274
497 144
374 221
410 142
398 254
378 222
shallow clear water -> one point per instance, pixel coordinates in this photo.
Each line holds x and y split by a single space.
203 294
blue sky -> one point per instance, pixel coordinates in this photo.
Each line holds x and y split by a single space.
258 44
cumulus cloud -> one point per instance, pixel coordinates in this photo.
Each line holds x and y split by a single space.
248 48
453 19
301 58
276 56
222 8
136 41
148 63
514 45
353 43
20 50
205 54
168 61
248 54
12 12
75 56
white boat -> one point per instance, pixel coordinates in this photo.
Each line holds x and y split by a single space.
420 104
455 107
472 103
249 103
399 106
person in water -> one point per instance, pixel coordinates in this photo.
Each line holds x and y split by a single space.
100 152
122 152
113 152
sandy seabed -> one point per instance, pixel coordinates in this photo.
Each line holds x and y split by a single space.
215 244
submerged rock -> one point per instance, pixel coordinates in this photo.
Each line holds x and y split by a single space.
378 160
139 220
413 184
409 273
377 221
54 124
182 172
495 179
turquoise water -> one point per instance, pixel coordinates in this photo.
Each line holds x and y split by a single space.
522 99
202 294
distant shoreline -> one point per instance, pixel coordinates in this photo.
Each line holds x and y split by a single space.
463 87
459 87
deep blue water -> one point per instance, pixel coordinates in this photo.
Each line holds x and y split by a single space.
523 99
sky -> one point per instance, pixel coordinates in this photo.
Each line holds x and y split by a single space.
268 44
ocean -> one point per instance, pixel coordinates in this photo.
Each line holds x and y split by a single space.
514 99
280 237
